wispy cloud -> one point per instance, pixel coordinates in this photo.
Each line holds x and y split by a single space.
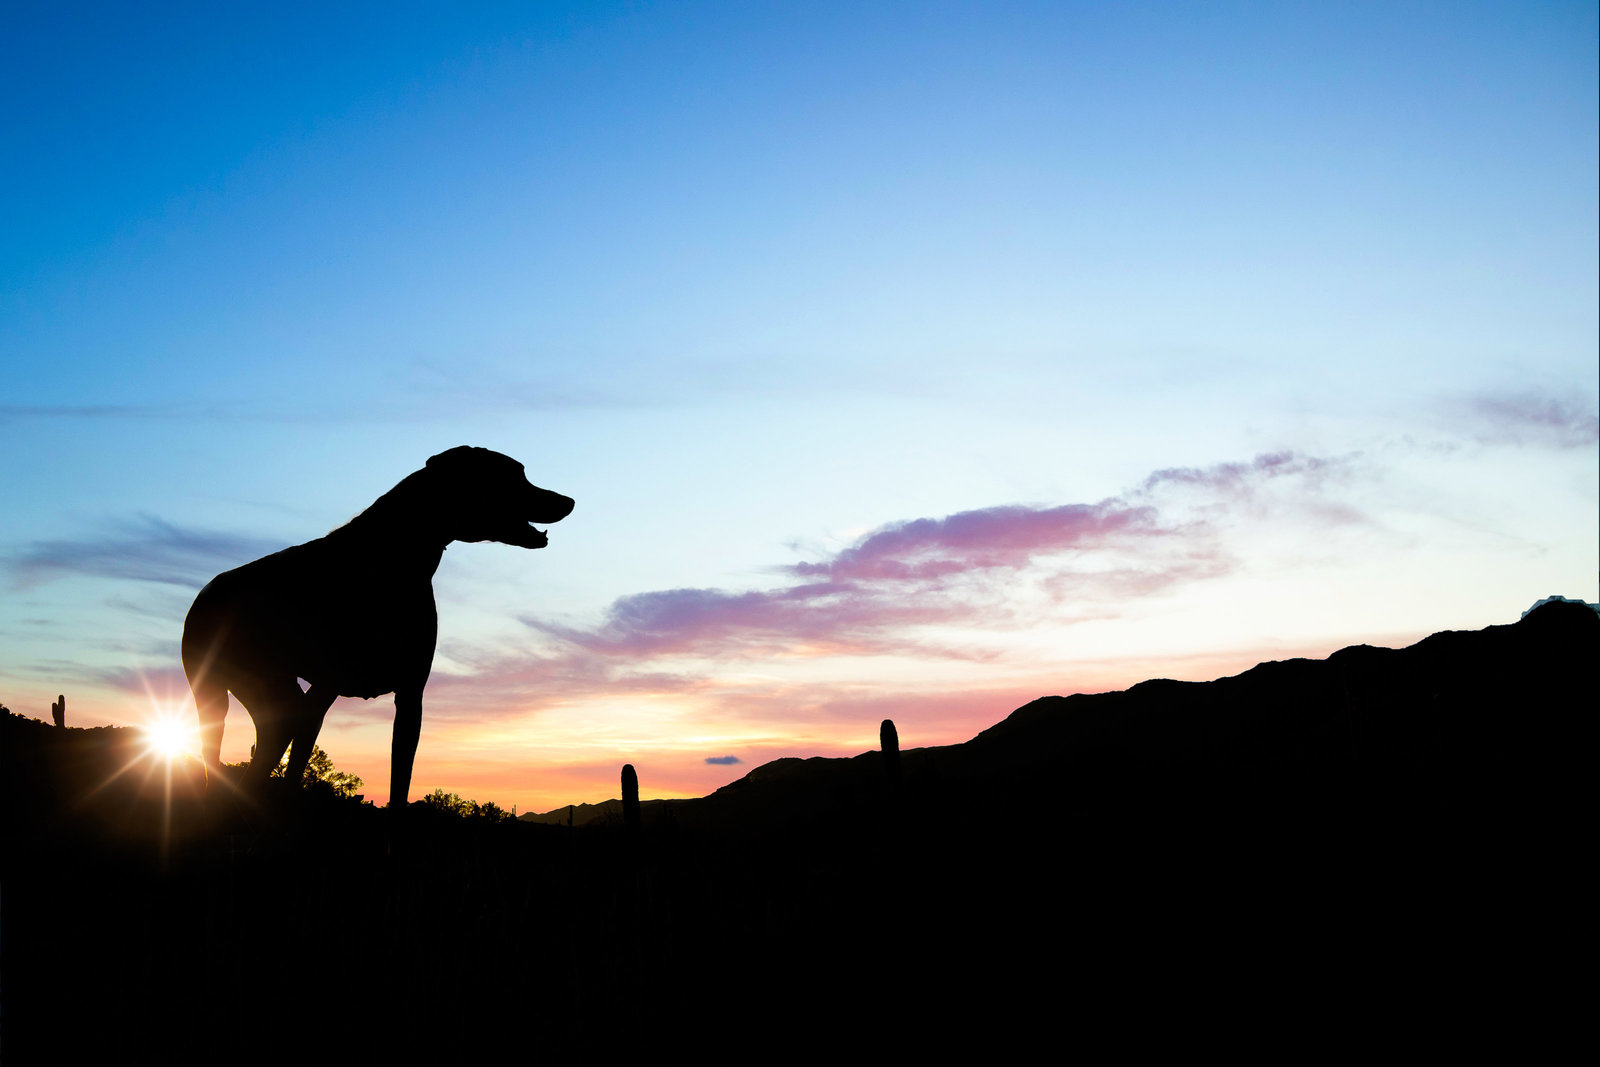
1530 418
827 618
159 682
434 392
17 412
496 679
1238 480
145 549
166 606
723 761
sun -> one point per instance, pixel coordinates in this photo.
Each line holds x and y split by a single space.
169 736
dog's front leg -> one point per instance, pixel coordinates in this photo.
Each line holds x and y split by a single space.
308 724
407 728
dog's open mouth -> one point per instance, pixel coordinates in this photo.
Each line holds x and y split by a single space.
544 507
523 535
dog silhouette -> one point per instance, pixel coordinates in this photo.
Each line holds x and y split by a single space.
351 613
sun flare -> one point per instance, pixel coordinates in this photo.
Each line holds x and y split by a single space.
170 737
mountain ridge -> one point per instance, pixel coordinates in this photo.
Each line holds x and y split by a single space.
1364 713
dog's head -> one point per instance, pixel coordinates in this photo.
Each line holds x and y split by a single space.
491 499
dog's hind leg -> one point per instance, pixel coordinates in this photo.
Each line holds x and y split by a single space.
210 689
313 709
211 701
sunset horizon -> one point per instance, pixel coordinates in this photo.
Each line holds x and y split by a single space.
903 363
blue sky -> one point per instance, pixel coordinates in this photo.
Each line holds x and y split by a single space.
756 283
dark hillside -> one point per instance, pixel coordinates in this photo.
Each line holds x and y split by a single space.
1381 849
1488 726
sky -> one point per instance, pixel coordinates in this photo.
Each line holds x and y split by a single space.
905 361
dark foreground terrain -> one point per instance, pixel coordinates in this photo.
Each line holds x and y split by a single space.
1381 854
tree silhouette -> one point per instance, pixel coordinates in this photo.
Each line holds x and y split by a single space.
447 803
453 804
490 810
319 768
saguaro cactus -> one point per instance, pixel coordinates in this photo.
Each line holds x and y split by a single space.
58 711
630 798
889 741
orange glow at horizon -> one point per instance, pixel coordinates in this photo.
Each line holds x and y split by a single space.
541 757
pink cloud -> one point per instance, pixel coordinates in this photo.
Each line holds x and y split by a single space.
880 594
990 538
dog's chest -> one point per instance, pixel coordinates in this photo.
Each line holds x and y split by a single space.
373 637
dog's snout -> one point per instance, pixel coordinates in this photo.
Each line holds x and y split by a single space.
552 507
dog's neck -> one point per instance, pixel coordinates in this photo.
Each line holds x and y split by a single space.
405 522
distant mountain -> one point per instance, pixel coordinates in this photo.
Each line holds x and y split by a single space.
607 811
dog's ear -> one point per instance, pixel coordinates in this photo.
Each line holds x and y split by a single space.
458 452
